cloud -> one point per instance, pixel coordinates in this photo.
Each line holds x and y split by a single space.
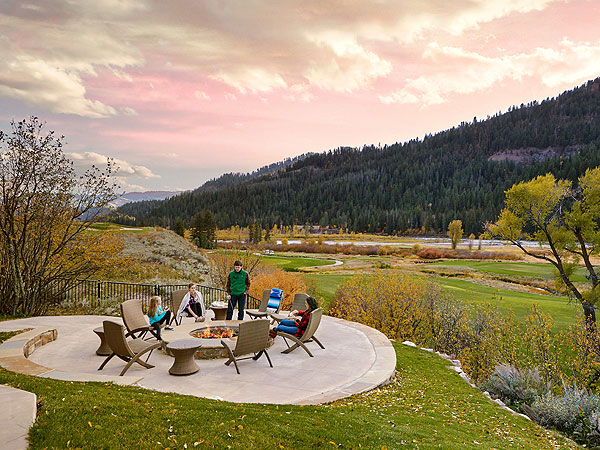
49 50
125 169
201 95
459 71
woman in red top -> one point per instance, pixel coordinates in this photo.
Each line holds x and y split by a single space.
296 326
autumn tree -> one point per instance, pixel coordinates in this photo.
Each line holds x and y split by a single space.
563 217
221 264
455 232
45 213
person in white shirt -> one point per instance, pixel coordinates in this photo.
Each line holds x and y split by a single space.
192 304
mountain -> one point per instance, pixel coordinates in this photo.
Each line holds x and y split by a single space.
416 186
129 197
228 180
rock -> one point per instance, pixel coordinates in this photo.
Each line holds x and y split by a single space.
456 369
410 344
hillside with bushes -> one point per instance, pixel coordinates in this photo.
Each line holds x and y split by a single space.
412 187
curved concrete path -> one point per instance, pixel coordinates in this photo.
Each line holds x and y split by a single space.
356 358
17 415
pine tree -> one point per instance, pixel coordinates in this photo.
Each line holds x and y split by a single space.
204 230
179 228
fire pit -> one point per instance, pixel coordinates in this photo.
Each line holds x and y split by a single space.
209 336
216 332
211 340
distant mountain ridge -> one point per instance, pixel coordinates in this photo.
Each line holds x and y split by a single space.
129 197
416 186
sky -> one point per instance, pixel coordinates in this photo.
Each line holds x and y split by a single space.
180 92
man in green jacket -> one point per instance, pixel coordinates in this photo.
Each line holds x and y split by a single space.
238 283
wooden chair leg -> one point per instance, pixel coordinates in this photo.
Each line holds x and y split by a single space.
268 358
106 361
318 342
231 357
136 359
295 346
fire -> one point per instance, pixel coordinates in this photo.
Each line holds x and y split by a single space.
214 333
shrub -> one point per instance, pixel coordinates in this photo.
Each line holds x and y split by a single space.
393 305
515 387
290 283
430 253
576 412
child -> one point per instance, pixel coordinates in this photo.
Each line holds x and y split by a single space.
158 316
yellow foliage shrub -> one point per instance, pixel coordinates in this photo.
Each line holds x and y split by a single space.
289 283
390 304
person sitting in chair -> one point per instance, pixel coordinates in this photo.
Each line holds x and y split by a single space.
296 326
158 316
192 304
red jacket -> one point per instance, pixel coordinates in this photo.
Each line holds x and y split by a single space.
302 322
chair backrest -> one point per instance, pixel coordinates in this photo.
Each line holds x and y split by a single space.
133 316
253 336
114 334
313 323
264 301
274 302
177 296
299 301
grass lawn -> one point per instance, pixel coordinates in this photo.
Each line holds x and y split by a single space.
109 226
326 284
293 263
428 407
563 312
519 269
559 308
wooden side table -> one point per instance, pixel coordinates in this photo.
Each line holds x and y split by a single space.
104 349
220 312
184 350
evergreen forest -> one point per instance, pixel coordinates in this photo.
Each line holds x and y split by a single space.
417 186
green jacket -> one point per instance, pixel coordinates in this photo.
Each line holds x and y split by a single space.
238 282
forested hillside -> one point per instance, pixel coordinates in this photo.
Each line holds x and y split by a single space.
460 173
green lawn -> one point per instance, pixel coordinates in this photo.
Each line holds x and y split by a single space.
428 407
326 284
563 312
519 269
109 226
559 308
293 263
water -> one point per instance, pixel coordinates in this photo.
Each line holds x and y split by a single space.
423 241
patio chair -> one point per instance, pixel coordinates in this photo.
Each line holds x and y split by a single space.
309 334
299 304
135 320
129 351
261 312
253 337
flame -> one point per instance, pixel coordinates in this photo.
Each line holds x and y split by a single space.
214 333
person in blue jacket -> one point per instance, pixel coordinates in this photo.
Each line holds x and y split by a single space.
158 316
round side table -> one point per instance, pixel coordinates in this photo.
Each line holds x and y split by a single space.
184 350
104 349
220 312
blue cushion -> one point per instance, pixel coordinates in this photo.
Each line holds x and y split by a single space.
274 300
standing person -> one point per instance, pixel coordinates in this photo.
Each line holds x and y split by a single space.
238 284
193 304
158 316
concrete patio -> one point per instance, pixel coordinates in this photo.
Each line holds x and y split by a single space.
356 358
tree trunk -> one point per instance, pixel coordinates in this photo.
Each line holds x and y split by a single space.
590 316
